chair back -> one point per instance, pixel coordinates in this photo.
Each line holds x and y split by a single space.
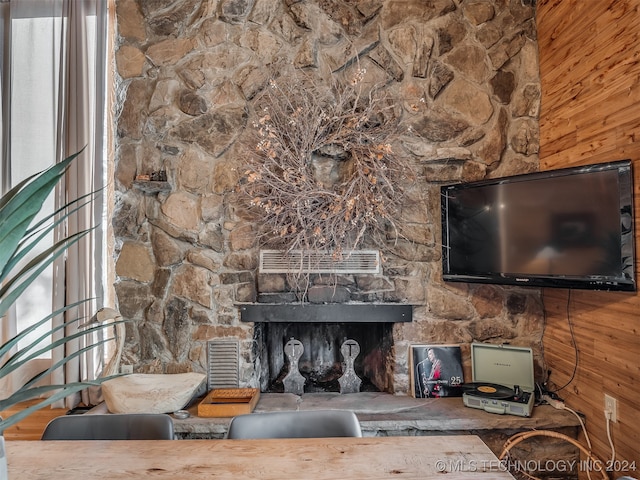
295 424
137 426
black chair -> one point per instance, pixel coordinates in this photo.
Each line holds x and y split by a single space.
137 426
295 424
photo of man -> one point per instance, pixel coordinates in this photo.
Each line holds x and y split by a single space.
436 371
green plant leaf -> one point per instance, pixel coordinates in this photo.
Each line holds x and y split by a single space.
36 234
33 269
33 380
9 344
21 234
29 353
23 204
63 392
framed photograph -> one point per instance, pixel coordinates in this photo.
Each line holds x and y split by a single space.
436 371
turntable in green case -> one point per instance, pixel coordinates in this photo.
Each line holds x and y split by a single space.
503 380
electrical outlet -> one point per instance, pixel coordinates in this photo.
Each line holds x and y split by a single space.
611 406
126 368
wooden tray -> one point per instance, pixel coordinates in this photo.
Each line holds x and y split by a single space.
228 402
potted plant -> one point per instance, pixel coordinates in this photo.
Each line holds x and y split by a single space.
20 233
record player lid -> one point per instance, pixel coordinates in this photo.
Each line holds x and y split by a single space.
502 364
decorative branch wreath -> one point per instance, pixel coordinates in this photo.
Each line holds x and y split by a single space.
321 170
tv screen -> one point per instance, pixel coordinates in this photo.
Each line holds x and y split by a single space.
567 228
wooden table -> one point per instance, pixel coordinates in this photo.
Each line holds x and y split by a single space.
460 456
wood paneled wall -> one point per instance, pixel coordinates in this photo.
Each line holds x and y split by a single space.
590 76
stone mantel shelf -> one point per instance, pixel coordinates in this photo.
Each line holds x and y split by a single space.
326 312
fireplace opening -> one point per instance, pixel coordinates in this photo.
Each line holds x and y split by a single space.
322 363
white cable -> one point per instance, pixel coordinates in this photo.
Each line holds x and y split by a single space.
607 415
584 429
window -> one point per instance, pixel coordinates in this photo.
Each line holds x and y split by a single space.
32 86
53 105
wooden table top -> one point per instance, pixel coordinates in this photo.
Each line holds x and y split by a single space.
418 457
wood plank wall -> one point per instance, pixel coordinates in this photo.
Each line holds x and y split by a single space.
590 112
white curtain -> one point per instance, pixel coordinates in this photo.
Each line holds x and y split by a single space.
79 129
72 113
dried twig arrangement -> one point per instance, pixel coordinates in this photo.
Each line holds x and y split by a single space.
320 168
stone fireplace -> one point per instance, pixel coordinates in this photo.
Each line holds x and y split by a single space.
323 329
464 77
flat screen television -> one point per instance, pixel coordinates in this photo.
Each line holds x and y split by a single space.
566 228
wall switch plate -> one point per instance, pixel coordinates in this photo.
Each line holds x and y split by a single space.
126 368
611 405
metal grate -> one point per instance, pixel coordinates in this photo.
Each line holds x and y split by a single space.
356 261
223 356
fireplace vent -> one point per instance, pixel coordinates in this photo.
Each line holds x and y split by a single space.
223 370
298 261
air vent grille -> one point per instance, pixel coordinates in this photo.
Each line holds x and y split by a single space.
298 261
223 358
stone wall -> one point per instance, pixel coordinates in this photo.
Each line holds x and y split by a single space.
465 74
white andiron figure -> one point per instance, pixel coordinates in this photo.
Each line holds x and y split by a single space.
294 380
